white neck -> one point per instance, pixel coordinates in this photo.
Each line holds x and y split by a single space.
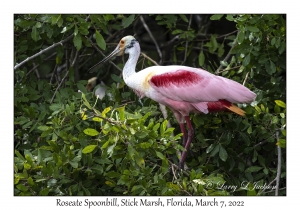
129 68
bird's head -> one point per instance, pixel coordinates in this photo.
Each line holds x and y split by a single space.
92 84
125 45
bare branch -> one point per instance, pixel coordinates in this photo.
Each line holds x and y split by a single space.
31 70
228 55
175 166
187 43
44 50
54 72
218 37
150 59
258 144
278 165
73 63
246 78
268 187
229 69
152 37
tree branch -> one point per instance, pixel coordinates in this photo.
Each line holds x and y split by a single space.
246 78
44 50
278 165
229 69
228 54
31 70
73 63
150 59
152 37
187 42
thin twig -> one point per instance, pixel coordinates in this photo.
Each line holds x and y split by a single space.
187 42
228 55
94 45
73 63
268 186
152 37
273 190
229 69
36 71
54 72
150 59
175 166
218 37
258 144
246 78
44 50
174 174
175 39
31 70
278 165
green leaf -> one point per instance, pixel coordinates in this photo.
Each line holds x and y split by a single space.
160 155
89 149
273 41
77 42
249 130
201 58
253 169
241 37
43 127
19 155
252 28
91 132
280 103
216 17
251 190
127 21
35 34
281 143
116 78
273 67
100 40
22 187
105 111
183 17
30 182
246 60
229 17
221 50
210 148
213 43
223 154
140 161
44 192
141 134
215 150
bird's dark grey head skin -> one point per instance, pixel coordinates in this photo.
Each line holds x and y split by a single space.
124 45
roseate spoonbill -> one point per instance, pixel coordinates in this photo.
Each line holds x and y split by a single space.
183 89
92 83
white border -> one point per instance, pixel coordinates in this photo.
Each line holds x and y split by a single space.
8 201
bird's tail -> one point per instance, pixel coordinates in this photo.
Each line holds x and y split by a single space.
235 109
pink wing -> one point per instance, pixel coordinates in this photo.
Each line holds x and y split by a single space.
193 85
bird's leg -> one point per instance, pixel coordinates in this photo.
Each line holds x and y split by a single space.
190 136
183 130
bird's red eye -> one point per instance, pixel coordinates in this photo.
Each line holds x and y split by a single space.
122 42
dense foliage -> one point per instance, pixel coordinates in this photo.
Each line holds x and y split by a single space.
68 142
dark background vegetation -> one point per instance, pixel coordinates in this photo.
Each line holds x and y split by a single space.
69 143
